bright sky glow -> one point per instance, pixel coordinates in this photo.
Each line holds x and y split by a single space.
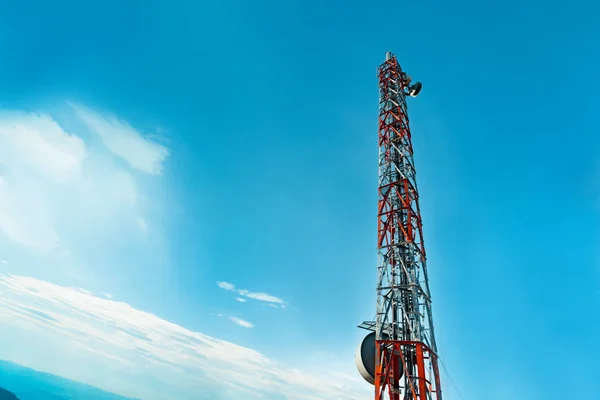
188 188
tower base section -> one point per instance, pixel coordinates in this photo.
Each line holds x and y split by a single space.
406 370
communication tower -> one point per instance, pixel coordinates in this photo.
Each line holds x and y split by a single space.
399 357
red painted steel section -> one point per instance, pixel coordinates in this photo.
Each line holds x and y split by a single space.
393 356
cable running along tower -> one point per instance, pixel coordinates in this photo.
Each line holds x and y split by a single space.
399 356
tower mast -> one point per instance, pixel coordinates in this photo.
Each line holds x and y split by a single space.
405 364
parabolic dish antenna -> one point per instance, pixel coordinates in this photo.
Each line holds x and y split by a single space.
365 358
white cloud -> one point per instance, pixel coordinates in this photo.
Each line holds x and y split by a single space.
24 215
4 262
117 341
226 286
35 153
241 322
261 297
251 295
69 198
240 300
38 142
55 189
119 137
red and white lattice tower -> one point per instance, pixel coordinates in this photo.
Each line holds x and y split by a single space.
399 357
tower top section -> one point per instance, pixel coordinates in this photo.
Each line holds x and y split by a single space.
406 86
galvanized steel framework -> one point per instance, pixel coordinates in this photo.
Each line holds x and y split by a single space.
406 352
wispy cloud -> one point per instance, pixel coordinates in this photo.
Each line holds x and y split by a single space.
261 296
226 286
119 137
37 142
240 300
241 322
4 262
50 178
251 295
123 344
34 149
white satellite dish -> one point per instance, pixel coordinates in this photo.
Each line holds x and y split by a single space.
365 358
414 90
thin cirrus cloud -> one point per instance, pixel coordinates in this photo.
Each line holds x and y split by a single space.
124 141
242 322
37 142
274 301
226 286
137 354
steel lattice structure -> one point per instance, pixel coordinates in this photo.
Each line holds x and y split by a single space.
406 364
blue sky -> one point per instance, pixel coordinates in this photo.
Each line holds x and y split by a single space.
236 142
